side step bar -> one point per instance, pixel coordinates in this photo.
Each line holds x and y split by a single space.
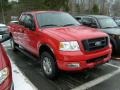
27 54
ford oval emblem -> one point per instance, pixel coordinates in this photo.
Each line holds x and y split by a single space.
98 43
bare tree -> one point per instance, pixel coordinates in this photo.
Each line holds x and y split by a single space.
115 8
82 6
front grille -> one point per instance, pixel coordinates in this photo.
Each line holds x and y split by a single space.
95 44
96 59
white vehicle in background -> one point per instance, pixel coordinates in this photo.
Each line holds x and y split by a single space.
14 22
3 30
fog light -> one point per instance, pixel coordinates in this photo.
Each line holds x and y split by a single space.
74 65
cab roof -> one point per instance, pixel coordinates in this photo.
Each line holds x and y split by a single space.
35 12
99 16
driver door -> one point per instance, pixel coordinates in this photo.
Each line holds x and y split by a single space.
30 35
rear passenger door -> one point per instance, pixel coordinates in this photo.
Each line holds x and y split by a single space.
20 29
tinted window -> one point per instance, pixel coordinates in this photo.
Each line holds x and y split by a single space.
53 19
85 20
27 19
107 23
117 21
88 20
21 21
22 18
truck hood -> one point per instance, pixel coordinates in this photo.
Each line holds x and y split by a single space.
115 31
75 32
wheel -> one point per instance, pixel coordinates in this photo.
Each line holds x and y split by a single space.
13 44
114 46
113 50
48 65
12 87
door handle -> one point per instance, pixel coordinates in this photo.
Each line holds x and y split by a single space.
22 31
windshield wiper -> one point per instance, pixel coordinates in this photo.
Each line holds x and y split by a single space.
68 25
112 27
49 25
107 27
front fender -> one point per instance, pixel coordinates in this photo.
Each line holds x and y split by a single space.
52 45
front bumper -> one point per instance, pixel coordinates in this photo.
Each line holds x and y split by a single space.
86 61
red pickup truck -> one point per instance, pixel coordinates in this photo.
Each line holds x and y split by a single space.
6 82
60 42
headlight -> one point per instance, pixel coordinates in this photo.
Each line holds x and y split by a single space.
69 46
3 74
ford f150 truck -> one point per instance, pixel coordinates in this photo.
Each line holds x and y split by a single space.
60 42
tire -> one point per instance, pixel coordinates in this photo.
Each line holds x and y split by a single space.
113 50
114 46
12 87
48 65
13 44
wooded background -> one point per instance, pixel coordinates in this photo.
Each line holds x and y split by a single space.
74 7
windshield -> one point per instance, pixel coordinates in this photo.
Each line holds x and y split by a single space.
107 23
55 19
117 21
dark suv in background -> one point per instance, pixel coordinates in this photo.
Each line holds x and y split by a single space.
105 24
117 20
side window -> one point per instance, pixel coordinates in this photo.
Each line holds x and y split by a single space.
86 21
27 19
29 22
89 22
93 23
21 21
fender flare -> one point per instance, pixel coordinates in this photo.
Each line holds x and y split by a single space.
51 49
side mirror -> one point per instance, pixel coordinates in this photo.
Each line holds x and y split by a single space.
93 25
30 25
86 23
